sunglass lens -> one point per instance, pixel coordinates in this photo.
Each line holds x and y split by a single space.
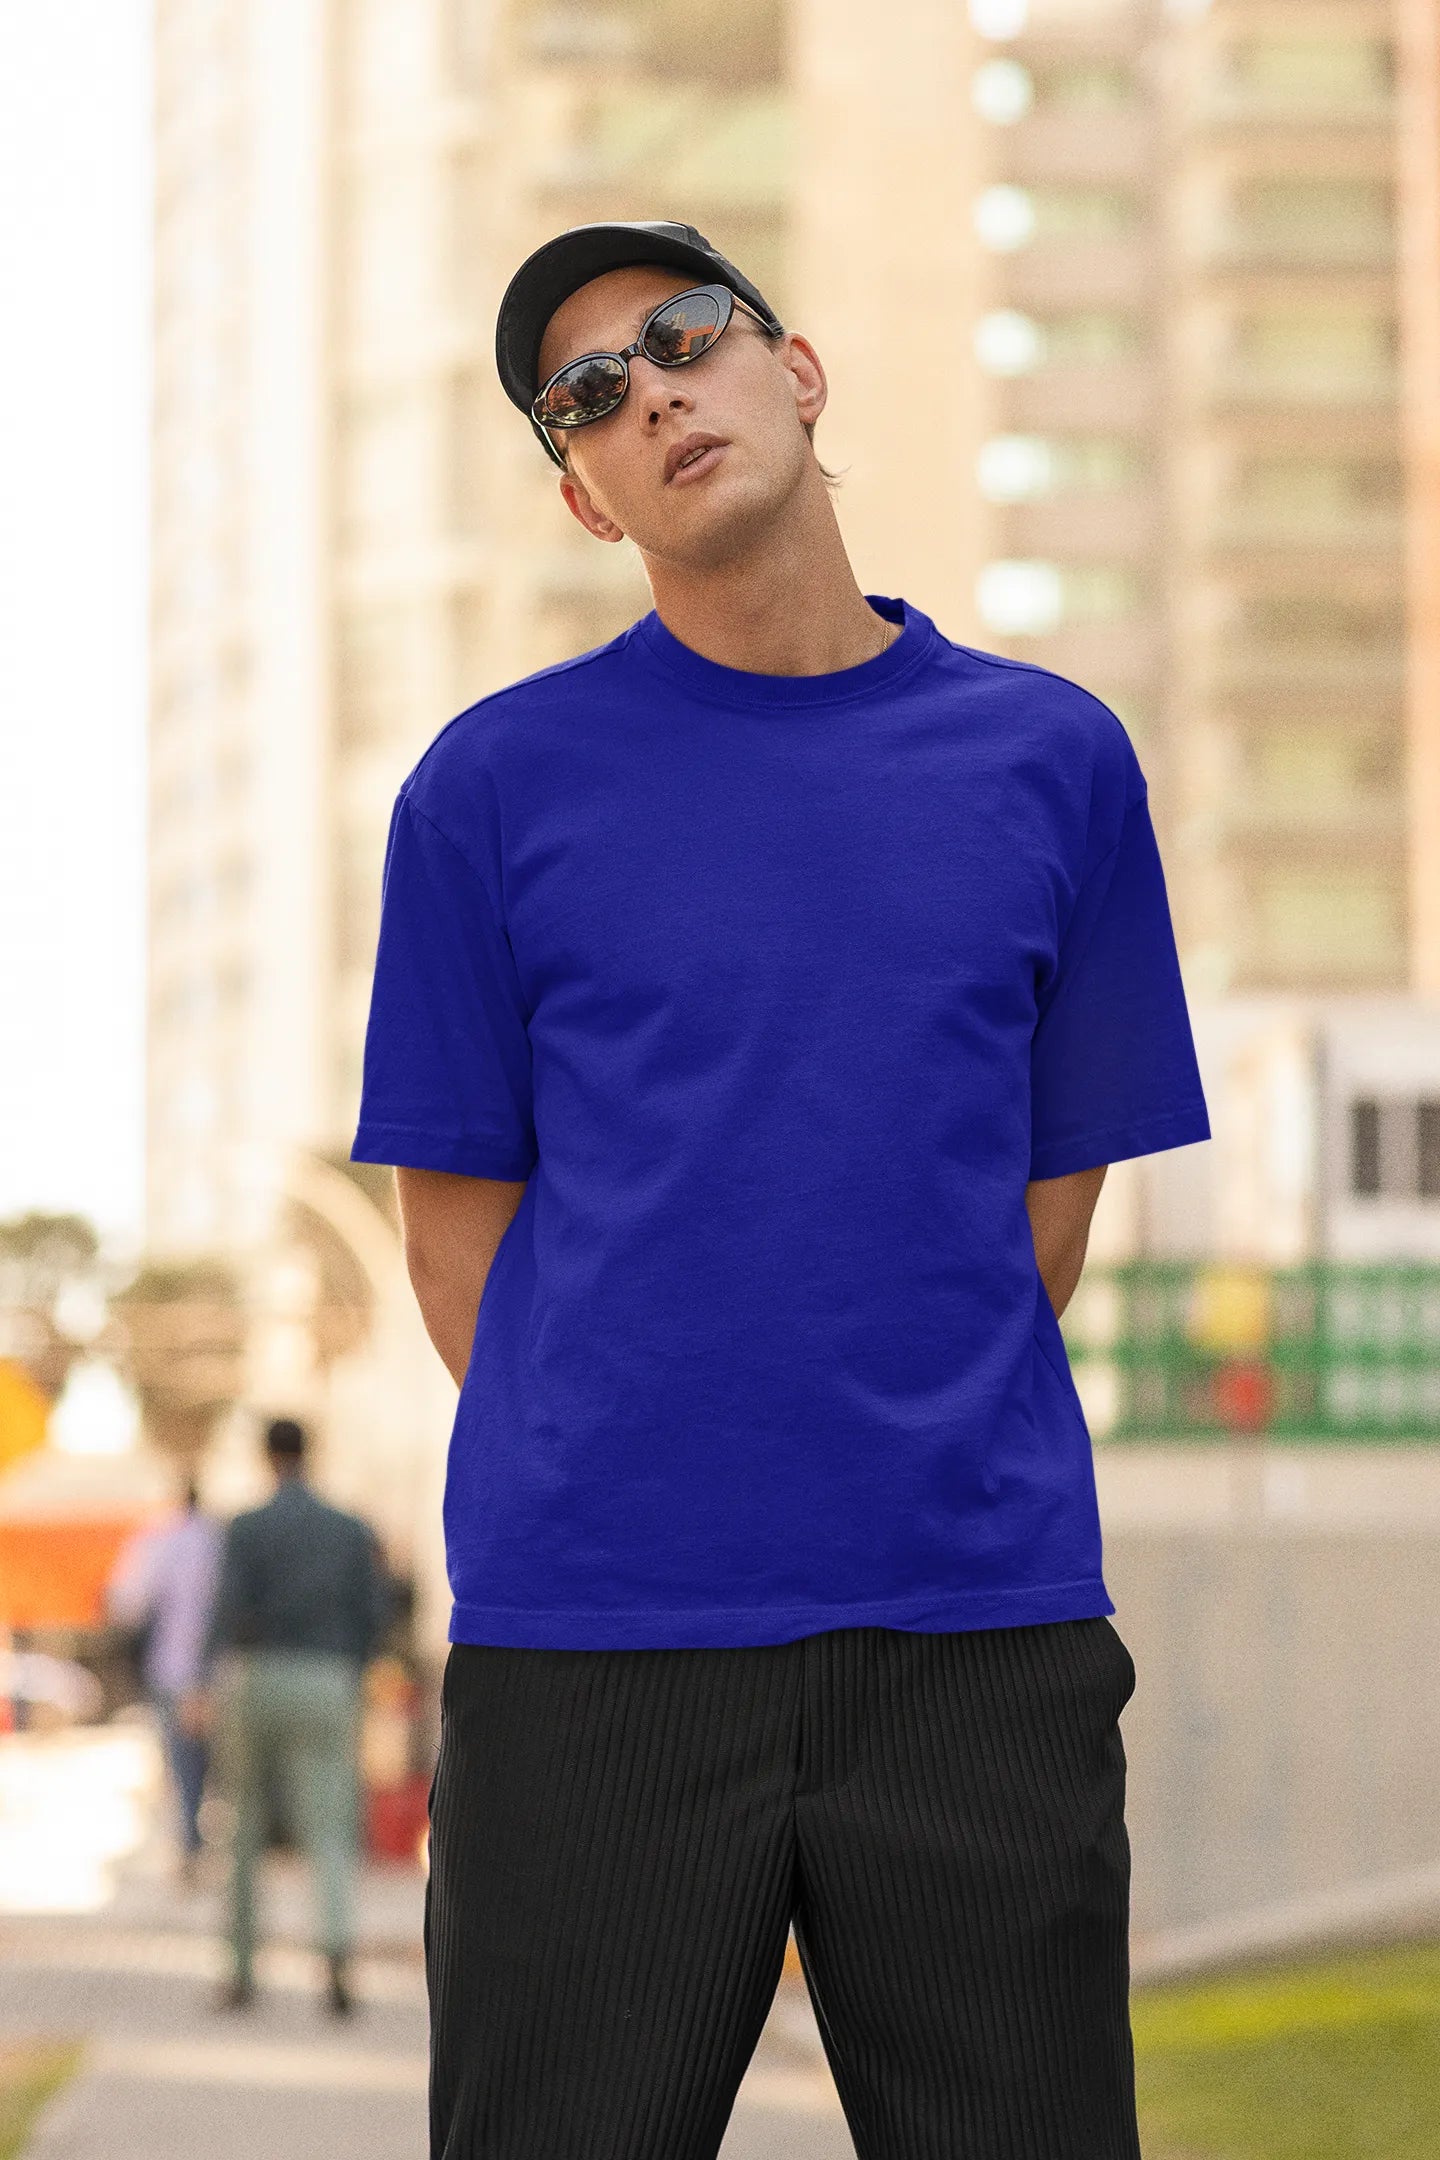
584 391
682 330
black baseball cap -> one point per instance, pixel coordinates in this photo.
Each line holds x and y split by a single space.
569 261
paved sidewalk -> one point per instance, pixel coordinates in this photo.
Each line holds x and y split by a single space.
168 2077
171 2079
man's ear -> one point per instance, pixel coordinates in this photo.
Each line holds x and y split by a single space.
577 501
807 374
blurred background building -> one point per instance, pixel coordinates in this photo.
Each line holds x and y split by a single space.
1131 315
1156 438
1157 251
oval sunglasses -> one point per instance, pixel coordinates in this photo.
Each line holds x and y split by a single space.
672 335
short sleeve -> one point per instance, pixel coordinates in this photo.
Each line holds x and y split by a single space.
447 1072
1113 1070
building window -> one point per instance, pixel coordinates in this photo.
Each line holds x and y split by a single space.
1010 343
999 18
1315 218
1030 599
1334 346
1427 1149
1319 921
1312 73
1395 1148
1005 218
1319 489
1091 337
1002 92
1096 85
1029 468
1365 1147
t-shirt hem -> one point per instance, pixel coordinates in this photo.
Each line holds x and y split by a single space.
1114 1143
415 1150
731 1627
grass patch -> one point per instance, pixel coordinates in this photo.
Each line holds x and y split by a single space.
1325 2058
30 2071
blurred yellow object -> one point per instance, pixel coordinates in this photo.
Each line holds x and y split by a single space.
1231 1309
24 1413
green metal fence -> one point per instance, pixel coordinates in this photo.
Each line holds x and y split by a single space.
1327 1351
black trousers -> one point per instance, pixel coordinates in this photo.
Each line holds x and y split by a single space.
620 1841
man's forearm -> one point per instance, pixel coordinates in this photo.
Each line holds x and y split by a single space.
452 1228
449 1303
1060 1210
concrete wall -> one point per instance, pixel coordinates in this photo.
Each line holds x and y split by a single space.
1284 1736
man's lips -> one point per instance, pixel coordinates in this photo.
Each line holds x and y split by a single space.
708 457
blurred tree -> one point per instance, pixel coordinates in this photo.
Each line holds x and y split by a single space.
45 1261
179 1336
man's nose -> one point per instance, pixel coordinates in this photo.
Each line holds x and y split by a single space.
660 393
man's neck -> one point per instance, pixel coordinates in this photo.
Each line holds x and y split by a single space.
788 606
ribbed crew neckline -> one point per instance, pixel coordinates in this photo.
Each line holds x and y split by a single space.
719 685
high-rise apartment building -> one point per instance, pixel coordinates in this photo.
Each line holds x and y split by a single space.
355 535
1107 292
1069 483
1419 167
1285 566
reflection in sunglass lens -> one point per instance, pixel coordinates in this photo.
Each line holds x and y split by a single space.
684 329
585 390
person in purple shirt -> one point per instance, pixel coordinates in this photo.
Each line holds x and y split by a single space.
759 1000
164 1581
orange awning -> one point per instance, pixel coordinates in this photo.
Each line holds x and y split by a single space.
53 1573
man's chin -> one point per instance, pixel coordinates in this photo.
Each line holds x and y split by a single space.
712 531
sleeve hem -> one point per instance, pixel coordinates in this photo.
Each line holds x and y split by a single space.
406 1147
1116 1143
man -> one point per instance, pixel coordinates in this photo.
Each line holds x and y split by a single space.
303 1603
759 1000
164 1581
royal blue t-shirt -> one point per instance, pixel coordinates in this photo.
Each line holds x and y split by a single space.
776 990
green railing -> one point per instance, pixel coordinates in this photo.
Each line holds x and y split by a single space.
1327 1351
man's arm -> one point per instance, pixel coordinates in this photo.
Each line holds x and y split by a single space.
1060 1209
452 1227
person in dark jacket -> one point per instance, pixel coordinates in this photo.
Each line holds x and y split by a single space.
303 1602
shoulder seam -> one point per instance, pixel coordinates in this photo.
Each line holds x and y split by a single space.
455 848
1032 667
558 667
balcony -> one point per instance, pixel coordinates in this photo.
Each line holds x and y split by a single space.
1112 395
1081 273
1241 665
1083 528
1362 822
1078 143
1257 105
1240 383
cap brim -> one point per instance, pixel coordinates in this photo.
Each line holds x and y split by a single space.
560 267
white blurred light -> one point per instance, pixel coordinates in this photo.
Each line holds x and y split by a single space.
1004 217
1015 468
1002 92
999 18
96 1414
1008 343
1021 598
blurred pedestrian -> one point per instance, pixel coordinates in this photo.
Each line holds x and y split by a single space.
162 1589
304 1601
760 998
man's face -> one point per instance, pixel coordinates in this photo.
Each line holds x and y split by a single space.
750 390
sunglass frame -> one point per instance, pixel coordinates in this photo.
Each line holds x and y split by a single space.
728 301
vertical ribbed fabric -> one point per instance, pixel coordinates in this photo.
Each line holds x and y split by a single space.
621 1839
